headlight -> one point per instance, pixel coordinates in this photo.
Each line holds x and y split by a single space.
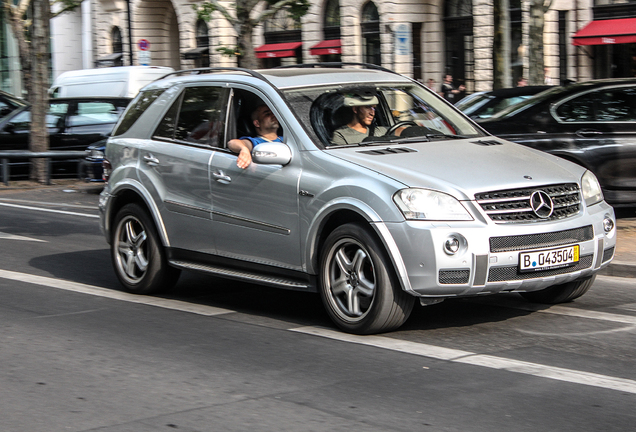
424 204
591 189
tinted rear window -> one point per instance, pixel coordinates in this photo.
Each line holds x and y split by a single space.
137 107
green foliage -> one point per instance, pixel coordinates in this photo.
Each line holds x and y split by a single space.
230 52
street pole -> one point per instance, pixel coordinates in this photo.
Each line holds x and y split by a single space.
130 44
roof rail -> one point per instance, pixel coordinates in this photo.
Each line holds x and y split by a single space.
200 71
336 64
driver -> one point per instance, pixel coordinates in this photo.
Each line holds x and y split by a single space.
361 126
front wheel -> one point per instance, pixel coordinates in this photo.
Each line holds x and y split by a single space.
138 256
358 285
560 293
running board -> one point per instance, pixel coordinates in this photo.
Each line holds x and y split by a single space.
244 275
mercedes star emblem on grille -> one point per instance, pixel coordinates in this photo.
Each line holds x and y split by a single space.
541 204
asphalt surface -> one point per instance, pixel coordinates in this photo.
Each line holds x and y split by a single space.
79 354
83 193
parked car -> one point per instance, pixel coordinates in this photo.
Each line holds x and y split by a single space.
484 104
434 208
10 103
91 168
590 123
73 124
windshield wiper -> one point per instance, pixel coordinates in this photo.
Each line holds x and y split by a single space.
430 137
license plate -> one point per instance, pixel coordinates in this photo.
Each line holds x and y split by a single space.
547 259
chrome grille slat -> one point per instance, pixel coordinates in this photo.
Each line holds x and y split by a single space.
513 205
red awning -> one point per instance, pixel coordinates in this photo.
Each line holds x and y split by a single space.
326 47
603 32
278 50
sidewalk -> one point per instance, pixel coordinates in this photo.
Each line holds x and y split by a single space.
623 264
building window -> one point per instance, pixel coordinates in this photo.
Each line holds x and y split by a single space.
331 29
281 28
371 34
115 37
200 54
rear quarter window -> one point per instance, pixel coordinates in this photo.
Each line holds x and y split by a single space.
137 107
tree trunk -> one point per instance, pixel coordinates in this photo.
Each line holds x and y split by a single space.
245 31
535 42
39 139
501 45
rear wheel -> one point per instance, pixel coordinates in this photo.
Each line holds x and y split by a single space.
358 285
560 293
138 257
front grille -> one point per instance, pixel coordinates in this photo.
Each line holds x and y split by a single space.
540 241
511 273
453 276
608 254
513 205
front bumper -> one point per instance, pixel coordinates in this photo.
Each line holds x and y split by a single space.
487 261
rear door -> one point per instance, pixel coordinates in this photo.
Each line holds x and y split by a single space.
174 165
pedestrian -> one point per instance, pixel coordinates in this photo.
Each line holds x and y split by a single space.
522 82
449 92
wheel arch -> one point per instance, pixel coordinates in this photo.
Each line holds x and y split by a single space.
132 191
342 212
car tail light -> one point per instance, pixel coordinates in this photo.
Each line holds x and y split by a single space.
106 169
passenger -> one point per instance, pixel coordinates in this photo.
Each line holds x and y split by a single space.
361 126
266 126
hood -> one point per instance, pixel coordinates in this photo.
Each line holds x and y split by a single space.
463 167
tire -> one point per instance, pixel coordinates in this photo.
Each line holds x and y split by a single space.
138 257
560 293
358 286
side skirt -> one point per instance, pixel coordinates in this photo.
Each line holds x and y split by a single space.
242 270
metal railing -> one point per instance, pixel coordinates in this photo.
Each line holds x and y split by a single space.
7 155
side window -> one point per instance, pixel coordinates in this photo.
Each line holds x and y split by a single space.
202 116
136 109
94 113
579 109
167 126
21 122
55 116
616 105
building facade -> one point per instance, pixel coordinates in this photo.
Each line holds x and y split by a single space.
423 39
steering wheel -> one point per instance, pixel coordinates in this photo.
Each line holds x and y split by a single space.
398 125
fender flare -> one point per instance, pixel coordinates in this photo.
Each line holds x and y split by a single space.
375 222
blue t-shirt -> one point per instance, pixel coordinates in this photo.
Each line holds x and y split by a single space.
260 140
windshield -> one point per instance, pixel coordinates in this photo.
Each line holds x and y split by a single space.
365 114
529 101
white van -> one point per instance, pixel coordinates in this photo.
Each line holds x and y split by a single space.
123 81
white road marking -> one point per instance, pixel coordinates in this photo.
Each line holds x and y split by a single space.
6 236
116 295
466 357
53 204
49 210
419 349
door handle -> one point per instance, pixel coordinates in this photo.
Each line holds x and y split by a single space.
151 160
221 177
588 132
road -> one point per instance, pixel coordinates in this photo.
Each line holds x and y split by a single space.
78 354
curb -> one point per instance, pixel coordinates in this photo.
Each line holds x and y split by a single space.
619 269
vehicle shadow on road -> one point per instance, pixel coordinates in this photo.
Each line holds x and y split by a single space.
93 267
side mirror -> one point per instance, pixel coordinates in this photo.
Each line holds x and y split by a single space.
272 153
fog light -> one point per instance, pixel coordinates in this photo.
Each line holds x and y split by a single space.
608 224
451 245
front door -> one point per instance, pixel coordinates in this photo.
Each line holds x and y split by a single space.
255 210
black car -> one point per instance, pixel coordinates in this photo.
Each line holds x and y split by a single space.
591 123
482 105
73 124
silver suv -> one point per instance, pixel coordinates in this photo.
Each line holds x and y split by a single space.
428 206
